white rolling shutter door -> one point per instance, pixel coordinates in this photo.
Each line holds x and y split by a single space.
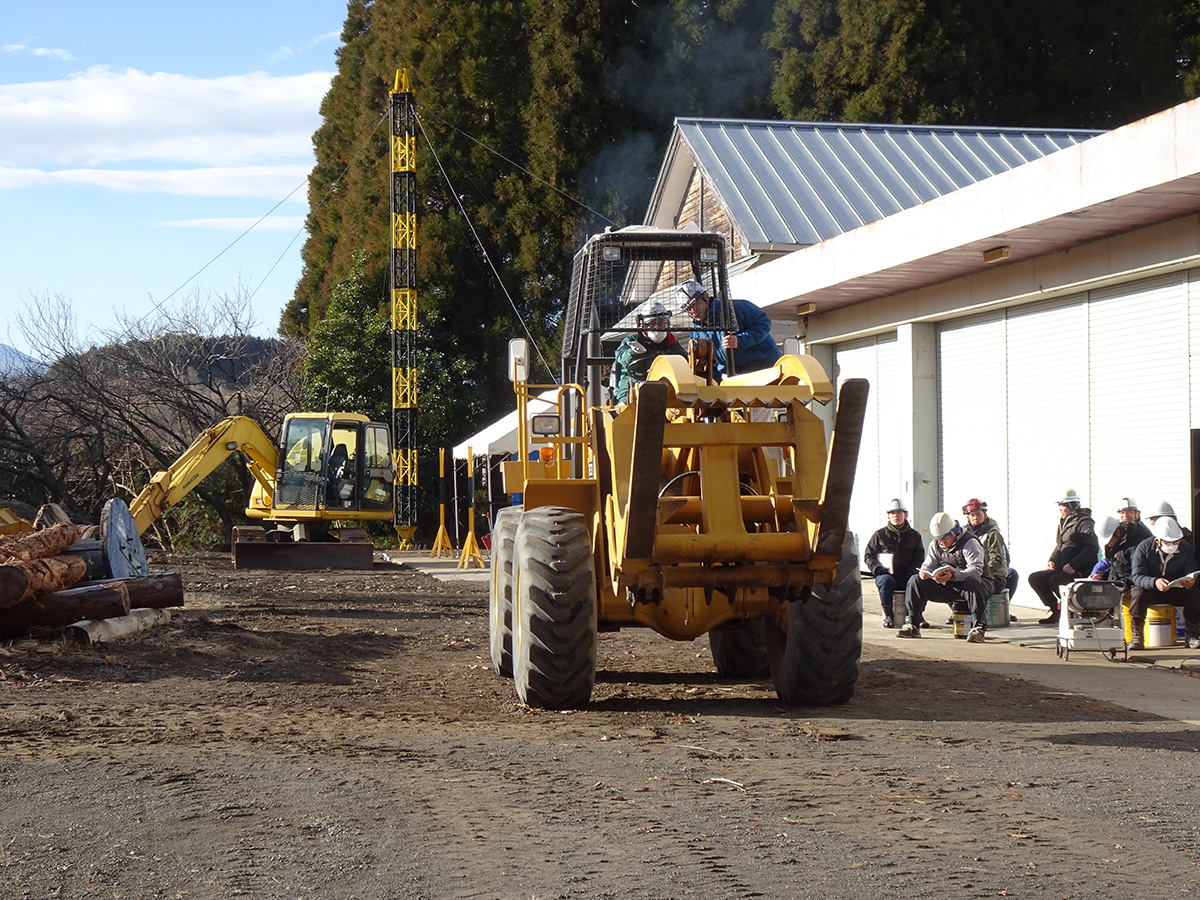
1140 444
972 432
1047 364
874 360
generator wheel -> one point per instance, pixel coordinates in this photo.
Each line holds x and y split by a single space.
554 609
814 662
739 649
504 530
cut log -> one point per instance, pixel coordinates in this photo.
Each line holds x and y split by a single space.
43 544
151 591
13 585
105 630
64 607
50 514
45 575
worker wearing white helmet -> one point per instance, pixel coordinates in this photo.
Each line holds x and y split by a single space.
637 351
951 573
1163 508
892 556
1076 551
740 334
1164 572
1119 542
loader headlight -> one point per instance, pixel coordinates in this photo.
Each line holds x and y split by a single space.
708 254
545 425
610 253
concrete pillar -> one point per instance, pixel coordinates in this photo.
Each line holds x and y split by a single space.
916 379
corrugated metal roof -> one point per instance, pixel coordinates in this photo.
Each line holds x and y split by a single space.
801 183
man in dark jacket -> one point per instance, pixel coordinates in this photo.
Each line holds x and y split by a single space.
903 543
752 343
1117 564
1158 562
1076 550
951 573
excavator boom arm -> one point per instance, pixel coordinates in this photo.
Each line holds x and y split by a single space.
237 434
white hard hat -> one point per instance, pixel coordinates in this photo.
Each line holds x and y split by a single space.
1128 503
689 289
1167 529
1161 508
1105 528
897 505
941 525
654 310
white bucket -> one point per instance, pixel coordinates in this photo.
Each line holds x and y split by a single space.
1160 627
898 610
997 610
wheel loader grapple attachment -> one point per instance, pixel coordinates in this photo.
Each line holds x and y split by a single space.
705 508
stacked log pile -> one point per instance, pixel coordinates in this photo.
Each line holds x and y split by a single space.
42 581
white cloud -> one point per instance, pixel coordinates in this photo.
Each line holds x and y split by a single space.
270 182
270 223
285 53
38 51
102 118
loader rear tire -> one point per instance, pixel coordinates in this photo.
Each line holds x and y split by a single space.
815 661
739 649
554 609
504 530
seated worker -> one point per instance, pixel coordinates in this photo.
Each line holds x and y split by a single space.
1106 527
985 529
953 571
904 544
637 351
753 346
1076 550
1117 564
1157 562
1163 508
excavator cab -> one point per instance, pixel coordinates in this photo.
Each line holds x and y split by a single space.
334 462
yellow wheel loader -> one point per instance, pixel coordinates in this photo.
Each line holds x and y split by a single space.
327 469
696 508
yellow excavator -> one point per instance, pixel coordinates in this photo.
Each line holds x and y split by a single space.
327 469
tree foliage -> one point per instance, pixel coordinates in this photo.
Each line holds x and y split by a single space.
542 121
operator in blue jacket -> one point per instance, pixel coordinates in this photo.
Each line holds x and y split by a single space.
753 346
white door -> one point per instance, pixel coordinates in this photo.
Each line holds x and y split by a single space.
1048 413
1138 364
876 479
972 426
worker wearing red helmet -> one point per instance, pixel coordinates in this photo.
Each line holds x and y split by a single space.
1004 576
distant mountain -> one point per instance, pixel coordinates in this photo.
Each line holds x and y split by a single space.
13 360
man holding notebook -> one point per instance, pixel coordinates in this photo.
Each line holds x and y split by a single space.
954 571
1164 572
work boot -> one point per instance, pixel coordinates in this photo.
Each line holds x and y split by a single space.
976 635
888 621
1138 627
909 630
1051 619
1192 630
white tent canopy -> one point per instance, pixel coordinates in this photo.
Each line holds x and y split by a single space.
501 436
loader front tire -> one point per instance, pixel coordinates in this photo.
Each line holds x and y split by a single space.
554 609
814 662
739 649
504 530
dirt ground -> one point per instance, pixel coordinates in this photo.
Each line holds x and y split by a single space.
342 735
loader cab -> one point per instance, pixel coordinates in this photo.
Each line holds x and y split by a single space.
336 463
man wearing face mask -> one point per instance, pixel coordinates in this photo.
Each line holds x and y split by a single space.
1157 562
637 351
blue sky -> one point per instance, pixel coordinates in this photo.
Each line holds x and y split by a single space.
137 142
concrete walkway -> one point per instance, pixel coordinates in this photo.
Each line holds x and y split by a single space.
1160 682
1156 682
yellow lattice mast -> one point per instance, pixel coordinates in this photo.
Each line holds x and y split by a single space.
404 306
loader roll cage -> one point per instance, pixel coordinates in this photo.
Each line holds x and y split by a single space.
616 274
